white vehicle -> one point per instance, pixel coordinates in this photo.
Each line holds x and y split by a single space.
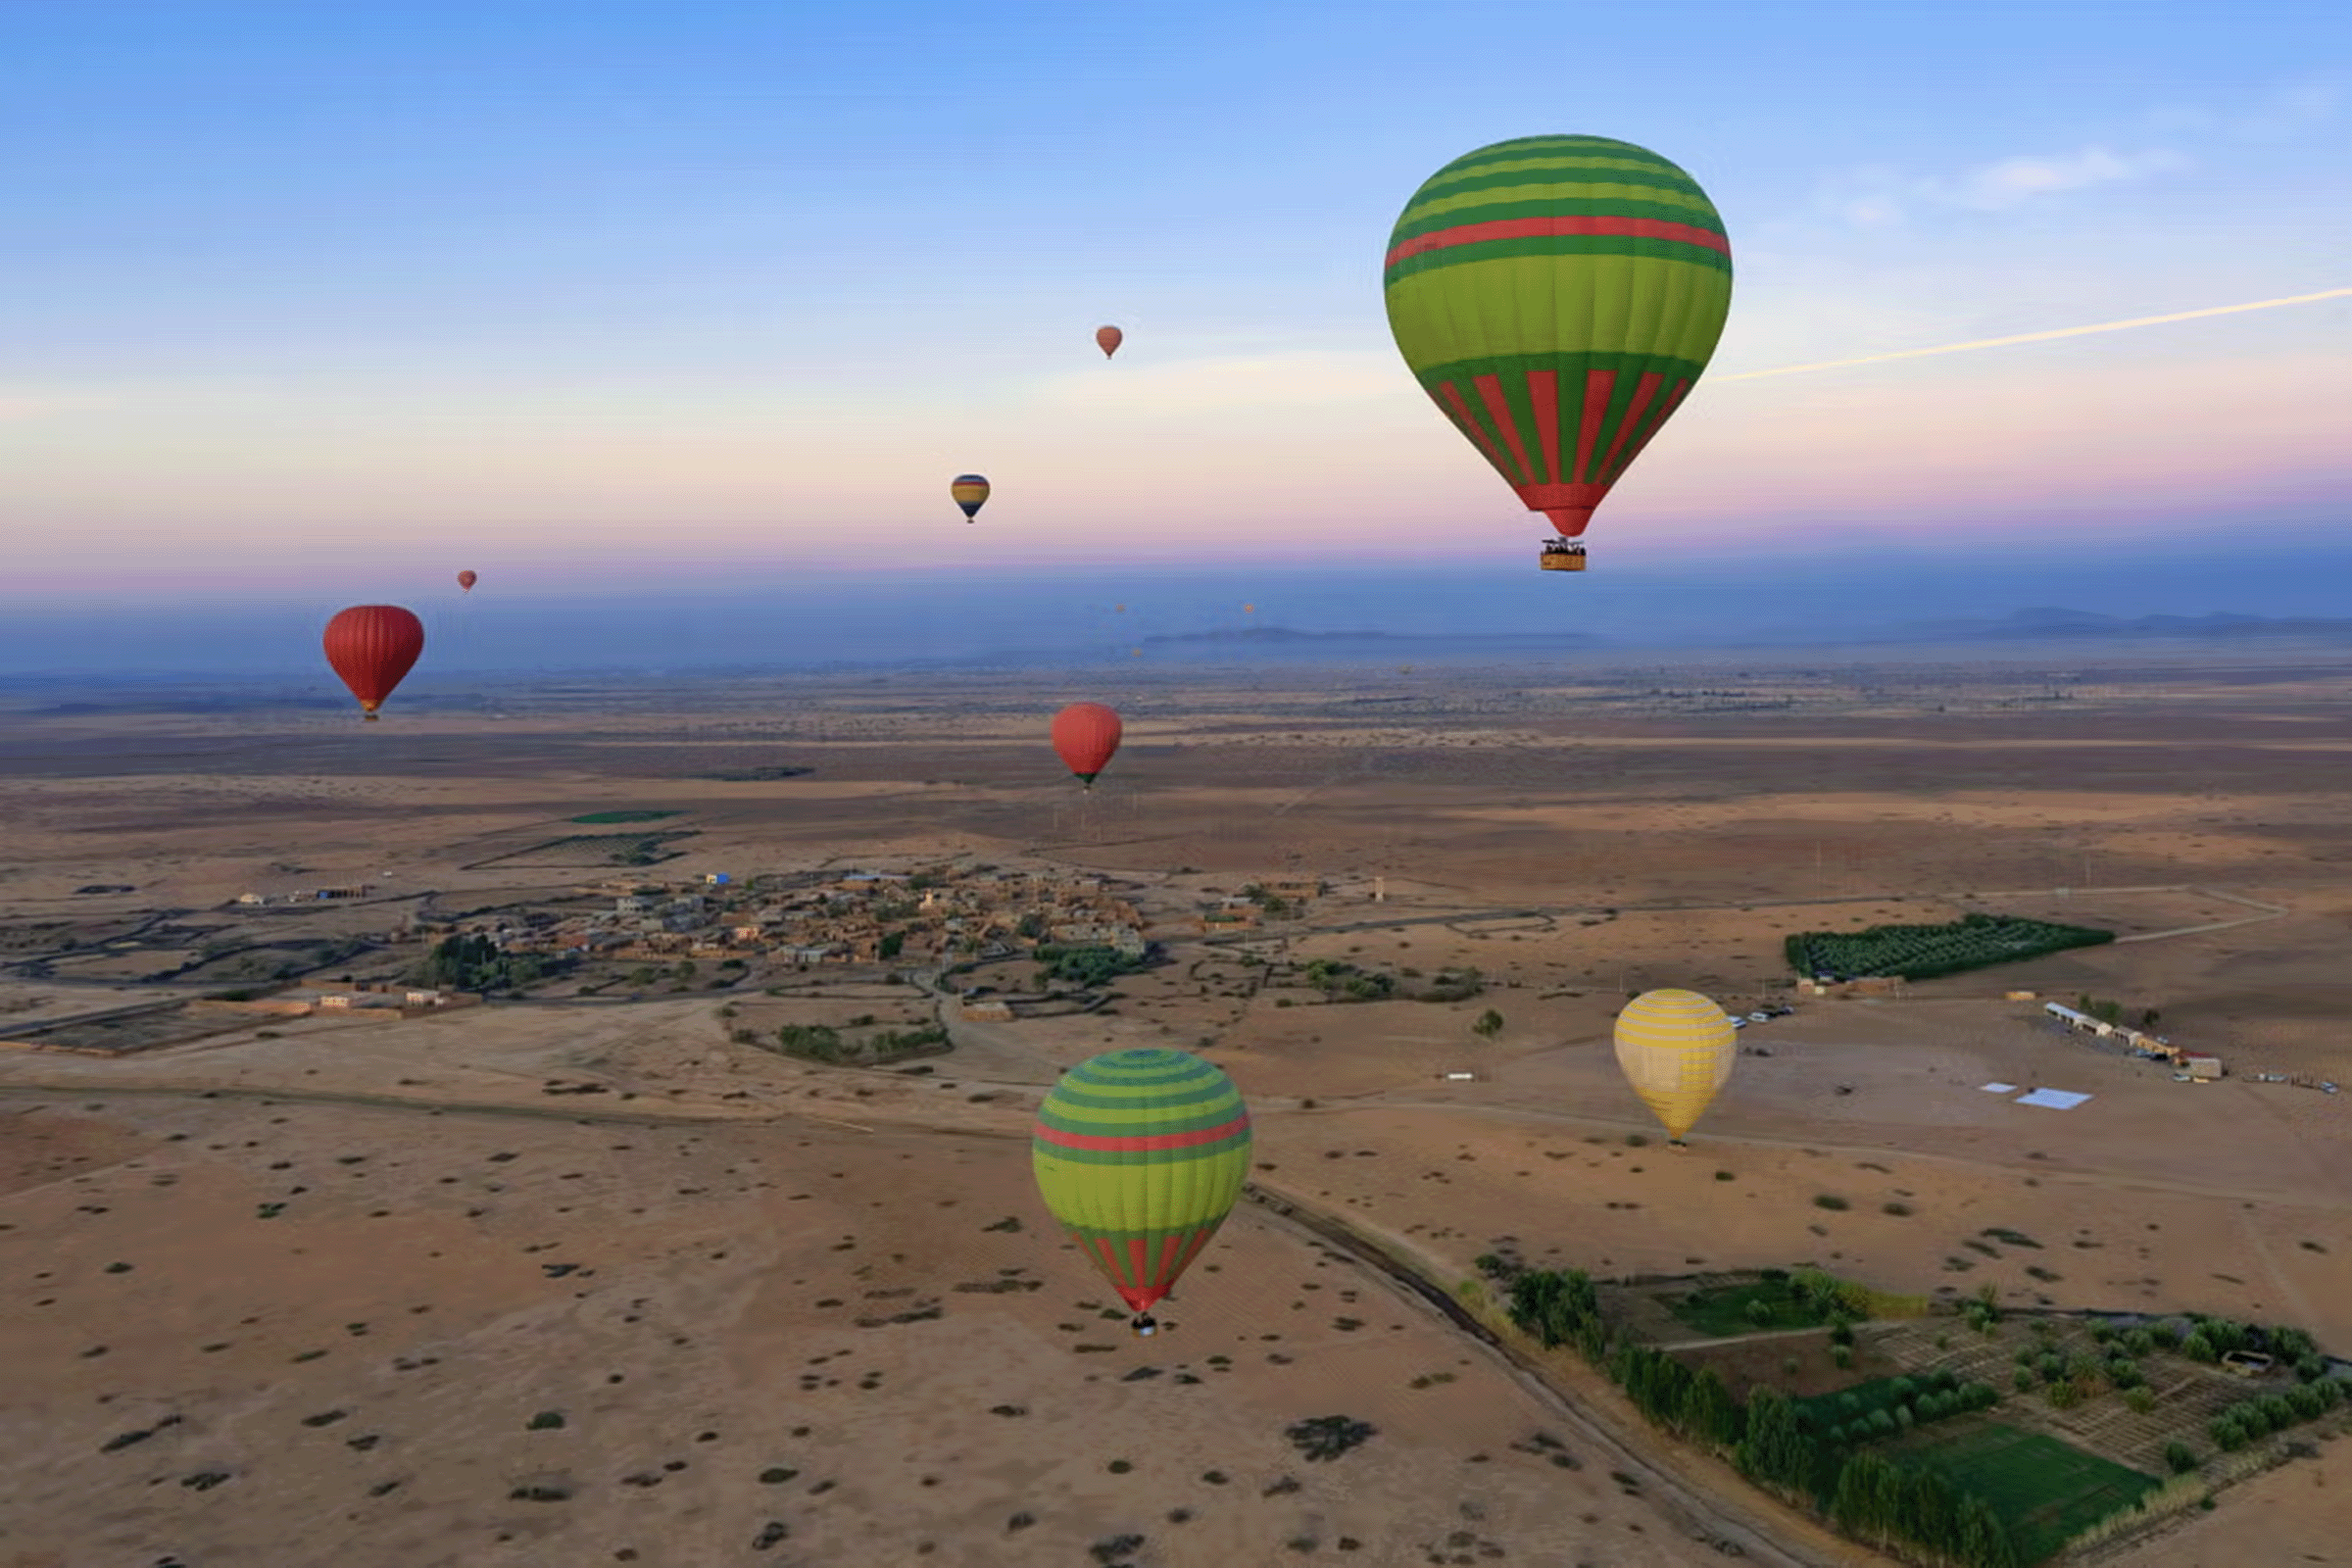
1738 1023
1759 1017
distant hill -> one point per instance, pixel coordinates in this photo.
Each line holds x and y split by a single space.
1381 643
2047 622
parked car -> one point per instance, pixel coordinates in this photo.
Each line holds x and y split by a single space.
1759 1017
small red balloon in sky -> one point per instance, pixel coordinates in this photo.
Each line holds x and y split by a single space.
466 580
1086 734
372 647
1108 340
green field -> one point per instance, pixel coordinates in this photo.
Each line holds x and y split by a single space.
1722 1311
1924 952
604 818
2045 1491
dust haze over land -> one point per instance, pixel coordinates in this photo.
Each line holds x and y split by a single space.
753 1246
1798 590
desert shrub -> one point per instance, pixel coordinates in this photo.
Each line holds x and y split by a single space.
1327 1437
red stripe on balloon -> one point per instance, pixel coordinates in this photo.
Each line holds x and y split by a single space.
1644 390
1544 393
1561 224
1598 385
1490 392
1657 422
1140 1143
1450 398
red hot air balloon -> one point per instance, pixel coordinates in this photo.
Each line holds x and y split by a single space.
371 647
1086 734
1108 340
466 580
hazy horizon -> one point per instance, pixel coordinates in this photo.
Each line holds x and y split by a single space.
1074 616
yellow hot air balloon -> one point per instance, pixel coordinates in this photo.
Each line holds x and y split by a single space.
1676 1049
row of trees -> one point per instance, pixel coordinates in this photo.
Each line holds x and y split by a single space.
2250 1420
1924 952
1769 1438
819 1042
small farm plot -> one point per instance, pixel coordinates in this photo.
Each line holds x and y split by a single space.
1924 952
2045 1491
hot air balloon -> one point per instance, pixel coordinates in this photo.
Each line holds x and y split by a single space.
371 647
1086 734
1139 1155
1557 297
970 491
1108 340
466 580
1676 1049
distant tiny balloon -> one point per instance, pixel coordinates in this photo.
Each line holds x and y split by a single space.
970 491
466 580
1108 340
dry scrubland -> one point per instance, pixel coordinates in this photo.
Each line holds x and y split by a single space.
300 1293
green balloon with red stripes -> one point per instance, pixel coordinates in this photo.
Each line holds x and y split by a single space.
1140 1155
1558 297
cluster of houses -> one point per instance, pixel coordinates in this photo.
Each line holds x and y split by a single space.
846 918
2147 1047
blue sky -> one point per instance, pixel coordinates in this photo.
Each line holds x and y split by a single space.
332 299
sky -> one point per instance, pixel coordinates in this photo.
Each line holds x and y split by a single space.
304 304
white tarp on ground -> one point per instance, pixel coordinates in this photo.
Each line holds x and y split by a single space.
2053 1098
2000 1089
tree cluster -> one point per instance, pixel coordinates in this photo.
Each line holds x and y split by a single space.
1769 1437
473 962
2250 1420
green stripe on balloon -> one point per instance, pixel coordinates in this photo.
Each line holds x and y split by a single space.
1630 245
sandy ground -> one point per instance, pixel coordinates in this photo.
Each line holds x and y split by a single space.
353 1378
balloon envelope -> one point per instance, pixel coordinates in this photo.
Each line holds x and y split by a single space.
1108 340
1086 734
466 580
1557 297
1140 1154
1676 1047
372 647
970 491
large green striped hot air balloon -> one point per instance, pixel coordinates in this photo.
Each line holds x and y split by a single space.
1558 297
1140 1154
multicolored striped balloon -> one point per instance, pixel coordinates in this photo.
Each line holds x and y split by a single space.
1676 1047
970 491
1140 1155
1558 297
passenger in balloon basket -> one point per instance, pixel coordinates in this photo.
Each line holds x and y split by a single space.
1144 1325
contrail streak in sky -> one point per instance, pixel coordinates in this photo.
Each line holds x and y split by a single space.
2044 337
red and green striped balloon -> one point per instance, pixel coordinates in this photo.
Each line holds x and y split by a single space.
1558 297
1140 1155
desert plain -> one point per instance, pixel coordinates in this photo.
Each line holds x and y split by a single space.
572 1279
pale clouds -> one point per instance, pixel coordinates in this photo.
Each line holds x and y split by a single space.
1881 197
2013 180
